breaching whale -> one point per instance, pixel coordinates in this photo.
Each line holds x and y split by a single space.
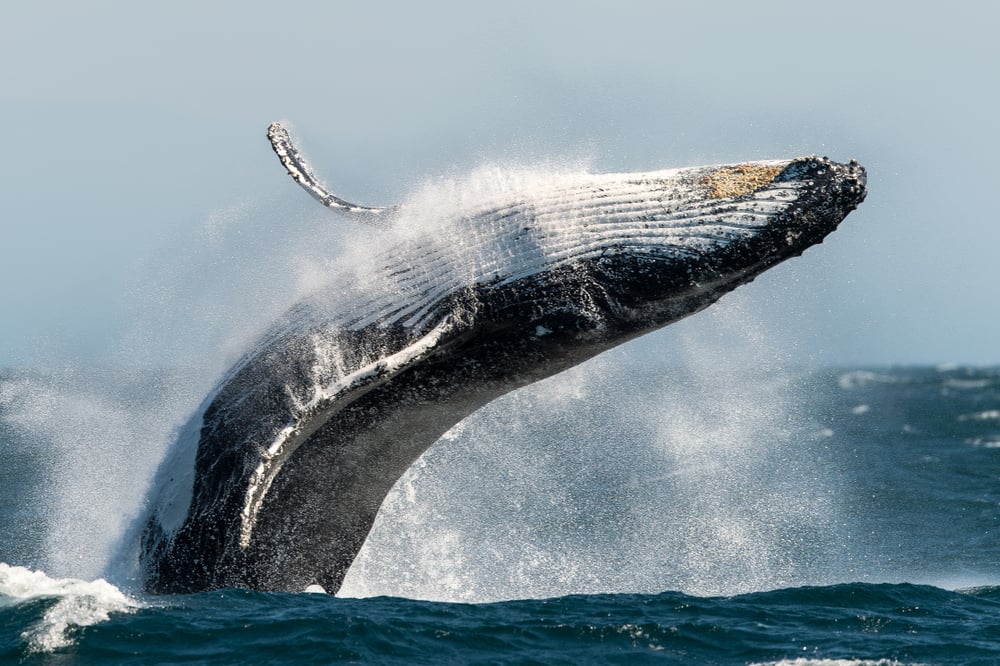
277 478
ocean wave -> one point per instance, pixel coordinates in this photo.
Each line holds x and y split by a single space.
984 442
863 378
78 603
968 384
806 661
988 415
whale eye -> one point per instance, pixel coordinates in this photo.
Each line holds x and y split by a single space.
735 181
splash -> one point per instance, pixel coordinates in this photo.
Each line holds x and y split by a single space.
78 603
98 434
99 430
759 511
639 471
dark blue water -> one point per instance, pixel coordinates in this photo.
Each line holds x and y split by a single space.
841 516
896 623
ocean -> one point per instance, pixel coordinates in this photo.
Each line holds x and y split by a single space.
622 512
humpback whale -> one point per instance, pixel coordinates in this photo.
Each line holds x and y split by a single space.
278 476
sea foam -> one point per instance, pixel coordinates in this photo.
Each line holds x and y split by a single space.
79 603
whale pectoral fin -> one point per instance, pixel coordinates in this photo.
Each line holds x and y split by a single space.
300 171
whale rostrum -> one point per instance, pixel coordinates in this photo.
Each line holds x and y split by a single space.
277 478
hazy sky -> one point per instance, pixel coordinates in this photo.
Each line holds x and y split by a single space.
132 130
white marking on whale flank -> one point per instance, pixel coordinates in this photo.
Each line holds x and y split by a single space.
291 435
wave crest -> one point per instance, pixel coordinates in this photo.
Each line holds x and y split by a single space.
79 603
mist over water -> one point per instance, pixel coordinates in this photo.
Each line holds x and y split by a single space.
97 436
628 474
96 433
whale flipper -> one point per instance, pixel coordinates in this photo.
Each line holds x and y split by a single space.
300 171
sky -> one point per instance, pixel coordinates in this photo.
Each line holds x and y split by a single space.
135 132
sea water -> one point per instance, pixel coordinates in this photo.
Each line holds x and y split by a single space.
838 516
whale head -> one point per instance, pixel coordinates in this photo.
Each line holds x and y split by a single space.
599 258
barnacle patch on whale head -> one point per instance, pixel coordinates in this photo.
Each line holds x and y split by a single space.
740 179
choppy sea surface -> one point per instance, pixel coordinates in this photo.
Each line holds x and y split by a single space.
623 512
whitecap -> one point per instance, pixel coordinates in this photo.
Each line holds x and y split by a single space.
807 661
862 378
79 604
988 415
967 384
985 442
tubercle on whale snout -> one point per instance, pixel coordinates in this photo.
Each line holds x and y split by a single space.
834 190
269 516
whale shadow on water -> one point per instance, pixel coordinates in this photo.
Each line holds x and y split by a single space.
276 480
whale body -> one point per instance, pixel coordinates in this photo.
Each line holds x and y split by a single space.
290 457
